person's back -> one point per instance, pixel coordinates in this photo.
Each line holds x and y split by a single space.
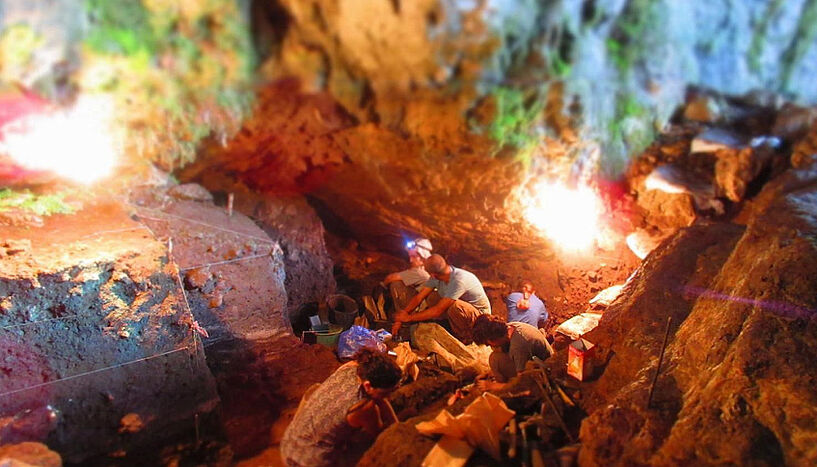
525 343
319 435
535 314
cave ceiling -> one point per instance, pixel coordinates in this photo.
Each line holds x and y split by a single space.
399 118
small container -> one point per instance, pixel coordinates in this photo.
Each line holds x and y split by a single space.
329 338
579 359
342 310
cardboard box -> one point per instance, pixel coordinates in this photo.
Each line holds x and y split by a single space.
579 359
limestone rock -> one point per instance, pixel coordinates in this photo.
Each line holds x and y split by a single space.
28 454
294 224
75 379
17 218
702 108
197 277
675 179
736 169
793 122
716 139
607 296
191 191
666 210
736 385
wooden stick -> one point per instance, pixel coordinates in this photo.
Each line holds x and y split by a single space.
546 393
512 447
660 359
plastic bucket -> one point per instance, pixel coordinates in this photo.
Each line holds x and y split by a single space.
342 310
329 338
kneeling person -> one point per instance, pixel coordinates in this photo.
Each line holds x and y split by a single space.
462 299
337 423
513 344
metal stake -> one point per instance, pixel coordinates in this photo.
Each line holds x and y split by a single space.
660 359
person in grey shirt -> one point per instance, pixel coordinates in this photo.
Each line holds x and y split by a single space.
418 251
462 299
513 344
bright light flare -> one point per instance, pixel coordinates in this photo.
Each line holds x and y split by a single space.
75 143
568 217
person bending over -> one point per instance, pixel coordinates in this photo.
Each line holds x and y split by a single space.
525 307
513 345
462 299
340 420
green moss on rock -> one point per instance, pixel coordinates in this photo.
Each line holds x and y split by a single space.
42 205
179 72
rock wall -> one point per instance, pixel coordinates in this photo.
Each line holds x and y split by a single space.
293 224
238 281
735 386
616 70
434 117
99 358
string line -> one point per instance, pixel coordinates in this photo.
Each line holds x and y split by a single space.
98 370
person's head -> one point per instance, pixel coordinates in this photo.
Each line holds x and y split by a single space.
418 250
490 330
438 268
526 287
378 372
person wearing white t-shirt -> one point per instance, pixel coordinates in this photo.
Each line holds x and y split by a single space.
462 299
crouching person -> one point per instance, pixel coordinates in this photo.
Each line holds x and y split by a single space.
513 345
462 299
339 421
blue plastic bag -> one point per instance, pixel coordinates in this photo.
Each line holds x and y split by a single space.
356 338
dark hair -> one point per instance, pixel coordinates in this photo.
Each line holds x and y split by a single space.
378 369
435 264
489 328
525 282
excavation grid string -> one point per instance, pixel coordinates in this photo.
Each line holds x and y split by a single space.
126 229
194 221
227 261
184 294
98 370
38 322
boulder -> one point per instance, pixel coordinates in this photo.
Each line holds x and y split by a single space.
716 139
736 169
793 122
190 191
95 324
675 179
703 108
736 385
667 210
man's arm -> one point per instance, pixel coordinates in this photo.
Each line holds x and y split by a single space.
432 312
401 316
413 303
393 277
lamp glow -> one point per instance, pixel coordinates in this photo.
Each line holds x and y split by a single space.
76 143
568 217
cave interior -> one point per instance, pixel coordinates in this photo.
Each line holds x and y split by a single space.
188 190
